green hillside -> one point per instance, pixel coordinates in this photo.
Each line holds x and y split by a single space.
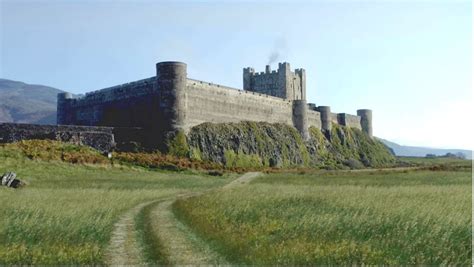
257 144
27 103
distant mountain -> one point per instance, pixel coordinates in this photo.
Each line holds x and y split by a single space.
27 103
415 151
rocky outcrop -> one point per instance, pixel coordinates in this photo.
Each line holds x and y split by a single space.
280 145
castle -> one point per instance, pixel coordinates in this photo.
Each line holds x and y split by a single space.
170 102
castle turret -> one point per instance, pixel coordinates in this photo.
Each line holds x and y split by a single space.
325 112
281 83
284 82
248 75
63 112
302 82
171 80
300 117
365 120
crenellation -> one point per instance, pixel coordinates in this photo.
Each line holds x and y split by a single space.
281 83
170 102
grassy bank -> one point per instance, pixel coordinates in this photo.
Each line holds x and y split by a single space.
66 213
379 217
260 144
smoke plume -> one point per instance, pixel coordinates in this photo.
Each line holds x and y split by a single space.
279 50
273 57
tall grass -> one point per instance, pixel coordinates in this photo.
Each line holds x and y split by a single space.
419 161
421 217
66 213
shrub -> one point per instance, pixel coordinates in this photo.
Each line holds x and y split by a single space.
241 160
57 151
178 145
353 164
163 161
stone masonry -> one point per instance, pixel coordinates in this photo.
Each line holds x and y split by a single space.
100 138
171 101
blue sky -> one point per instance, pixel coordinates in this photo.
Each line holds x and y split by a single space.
409 61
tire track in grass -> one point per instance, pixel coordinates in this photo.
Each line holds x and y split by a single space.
123 247
178 243
242 180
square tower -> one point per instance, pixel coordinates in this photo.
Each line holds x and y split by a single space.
282 83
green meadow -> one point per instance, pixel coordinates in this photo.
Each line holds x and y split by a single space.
339 218
74 196
66 213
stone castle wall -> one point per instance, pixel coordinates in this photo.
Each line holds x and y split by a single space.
282 83
100 138
215 103
266 83
314 119
349 120
170 101
126 105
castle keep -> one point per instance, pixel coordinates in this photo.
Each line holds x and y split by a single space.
171 101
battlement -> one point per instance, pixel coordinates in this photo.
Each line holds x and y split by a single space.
170 102
281 83
131 89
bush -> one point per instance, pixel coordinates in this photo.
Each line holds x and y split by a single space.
353 164
57 151
178 145
241 160
160 161
215 173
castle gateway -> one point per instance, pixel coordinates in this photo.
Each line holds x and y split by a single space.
170 102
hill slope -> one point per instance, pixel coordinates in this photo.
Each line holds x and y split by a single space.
414 151
256 144
27 103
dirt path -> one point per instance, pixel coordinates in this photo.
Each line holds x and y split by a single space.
180 245
123 248
242 180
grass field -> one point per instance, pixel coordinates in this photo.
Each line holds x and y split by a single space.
376 217
66 213
446 161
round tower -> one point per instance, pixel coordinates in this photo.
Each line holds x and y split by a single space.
300 117
171 80
325 112
63 115
365 120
